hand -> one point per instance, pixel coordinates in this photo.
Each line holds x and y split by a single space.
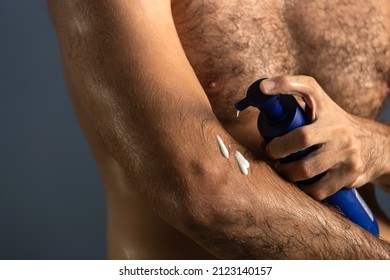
344 142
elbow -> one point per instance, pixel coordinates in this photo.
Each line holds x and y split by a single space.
210 204
202 185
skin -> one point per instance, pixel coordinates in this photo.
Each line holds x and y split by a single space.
152 90
353 151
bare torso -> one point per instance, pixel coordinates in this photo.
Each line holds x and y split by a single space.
344 45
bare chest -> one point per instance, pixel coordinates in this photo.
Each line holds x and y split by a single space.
344 45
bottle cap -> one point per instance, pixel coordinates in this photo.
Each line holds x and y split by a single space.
269 104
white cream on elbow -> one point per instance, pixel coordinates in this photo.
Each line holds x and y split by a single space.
222 147
242 162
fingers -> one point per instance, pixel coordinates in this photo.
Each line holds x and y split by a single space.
339 176
324 187
303 86
330 183
313 164
343 169
340 154
297 140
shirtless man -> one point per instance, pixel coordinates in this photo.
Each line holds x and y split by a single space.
155 81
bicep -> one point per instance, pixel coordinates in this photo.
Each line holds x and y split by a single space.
131 75
127 64
123 46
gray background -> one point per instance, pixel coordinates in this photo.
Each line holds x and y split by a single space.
51 197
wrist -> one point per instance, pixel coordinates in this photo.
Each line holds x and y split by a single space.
375 148
382 143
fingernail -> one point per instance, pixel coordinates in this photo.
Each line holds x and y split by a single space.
268 85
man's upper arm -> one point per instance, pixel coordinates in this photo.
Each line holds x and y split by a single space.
131 71
125 61
141 35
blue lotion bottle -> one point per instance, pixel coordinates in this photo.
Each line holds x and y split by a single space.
279 115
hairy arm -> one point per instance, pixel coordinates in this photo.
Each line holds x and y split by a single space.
375 137
145 101
380 134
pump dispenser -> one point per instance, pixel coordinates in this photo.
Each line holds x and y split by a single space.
279 114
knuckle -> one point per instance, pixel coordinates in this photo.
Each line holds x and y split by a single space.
304 136
351 143
345 143
317 165
312 82
358 167
284 80
306 170
354 148
272 150
356 164
353 153
341 130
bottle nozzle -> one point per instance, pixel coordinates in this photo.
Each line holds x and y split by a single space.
242 104
269 104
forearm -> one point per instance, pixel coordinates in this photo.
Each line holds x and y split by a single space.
261 216
383 134
375 139
154 117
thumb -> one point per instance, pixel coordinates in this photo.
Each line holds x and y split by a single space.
302 86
